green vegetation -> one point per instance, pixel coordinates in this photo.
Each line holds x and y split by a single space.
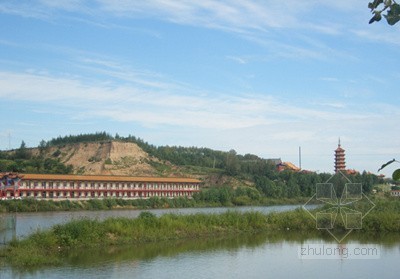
33 165
396 173
23 161
227 196
96 137
49 247
391 8
33 205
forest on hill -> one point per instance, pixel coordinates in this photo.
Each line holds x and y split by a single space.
248 169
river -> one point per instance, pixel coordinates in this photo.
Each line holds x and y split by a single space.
243 256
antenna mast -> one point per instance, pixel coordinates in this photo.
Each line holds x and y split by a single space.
300 157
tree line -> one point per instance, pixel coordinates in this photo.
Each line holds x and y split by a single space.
22 160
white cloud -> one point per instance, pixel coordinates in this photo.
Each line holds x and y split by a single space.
377 34
238 59
157 105
261 22
232 15
67 5
26 9
330 79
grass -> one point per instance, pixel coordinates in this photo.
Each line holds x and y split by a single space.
33 205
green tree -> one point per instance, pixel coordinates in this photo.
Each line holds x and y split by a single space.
22 152
367 182
268 187
306 184
293 188
232 163
396 173
42 146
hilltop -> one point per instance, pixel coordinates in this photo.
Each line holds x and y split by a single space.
103 158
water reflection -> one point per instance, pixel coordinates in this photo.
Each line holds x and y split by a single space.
233 256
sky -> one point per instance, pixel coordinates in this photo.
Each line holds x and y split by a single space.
261 77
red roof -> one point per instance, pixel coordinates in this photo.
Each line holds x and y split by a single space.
109 178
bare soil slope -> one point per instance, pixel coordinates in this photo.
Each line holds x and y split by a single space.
108 158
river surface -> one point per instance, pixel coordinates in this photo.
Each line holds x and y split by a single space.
245 256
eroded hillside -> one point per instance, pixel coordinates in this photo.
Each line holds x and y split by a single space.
108 158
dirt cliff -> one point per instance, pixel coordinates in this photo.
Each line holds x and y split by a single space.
108 158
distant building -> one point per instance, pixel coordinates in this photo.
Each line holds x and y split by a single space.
58 187
395 193
352 171
287 166
340 160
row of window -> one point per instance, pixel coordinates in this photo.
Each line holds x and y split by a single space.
101 185
61 194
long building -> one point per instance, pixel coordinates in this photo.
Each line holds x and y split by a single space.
51 186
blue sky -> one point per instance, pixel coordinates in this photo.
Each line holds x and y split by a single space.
262 77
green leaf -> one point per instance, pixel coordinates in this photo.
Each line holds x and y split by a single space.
386 164
376 17
375 4
393 15
396 174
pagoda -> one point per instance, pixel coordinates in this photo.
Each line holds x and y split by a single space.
340 162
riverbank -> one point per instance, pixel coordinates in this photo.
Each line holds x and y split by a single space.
49 247
33 205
